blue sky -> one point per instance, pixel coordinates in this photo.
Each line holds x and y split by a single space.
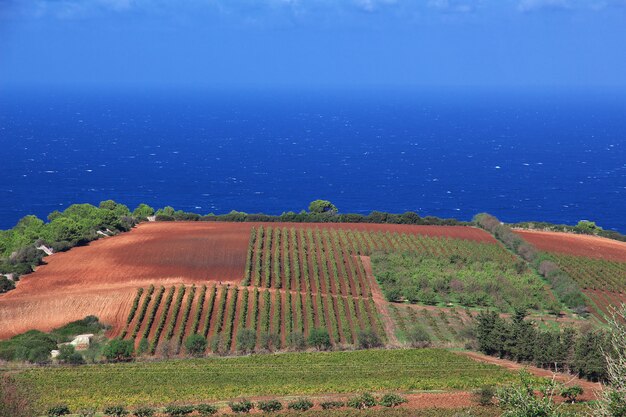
313 43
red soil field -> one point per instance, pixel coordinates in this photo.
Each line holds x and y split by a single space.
101 278
579 245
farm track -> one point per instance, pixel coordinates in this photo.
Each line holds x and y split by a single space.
380 303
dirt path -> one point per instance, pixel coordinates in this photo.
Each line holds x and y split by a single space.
380 302
591 388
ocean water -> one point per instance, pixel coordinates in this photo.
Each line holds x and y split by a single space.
558 157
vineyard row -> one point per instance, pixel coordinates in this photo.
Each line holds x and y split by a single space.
165 317
325 261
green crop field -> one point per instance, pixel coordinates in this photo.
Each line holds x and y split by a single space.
212 379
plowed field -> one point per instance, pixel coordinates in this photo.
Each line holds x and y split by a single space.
579 245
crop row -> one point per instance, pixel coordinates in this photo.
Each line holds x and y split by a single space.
593 274
325 260
603 303
220 313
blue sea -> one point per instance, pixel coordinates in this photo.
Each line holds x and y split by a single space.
552 156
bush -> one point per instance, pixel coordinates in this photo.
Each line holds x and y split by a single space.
572 393
196 345
365 400
392 400
69 355
301 404
144 412
206 409
418 337
331 405
87 412
246 340
270 406
178 410
118 350
270 341
243 406
369 339
39 355
297 341
58 410
115 411
319 339
484 395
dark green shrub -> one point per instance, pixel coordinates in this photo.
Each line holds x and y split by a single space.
118 350
331 405
206 409
301 404
319 339
39 355
115 411
269 406
243 406
270 341
572 393
392 400
178 410
196 345
297 341
365 400
58 410
369 339
246 340
69 355
418 337
484 395
144 412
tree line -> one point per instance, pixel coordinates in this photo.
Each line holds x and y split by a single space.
77 225
566 349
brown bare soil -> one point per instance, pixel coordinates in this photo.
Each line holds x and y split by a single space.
380 302
47 310
579 245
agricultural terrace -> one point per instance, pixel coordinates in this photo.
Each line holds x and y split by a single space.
213 379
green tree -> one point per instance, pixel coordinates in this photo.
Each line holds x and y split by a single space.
143 211
118 350
319 339
196 344
322 206
69 355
